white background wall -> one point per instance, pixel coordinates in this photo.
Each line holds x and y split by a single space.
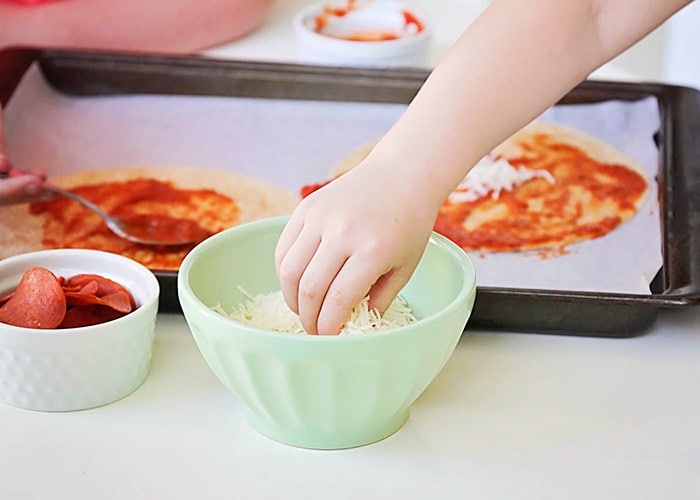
682 61
671 53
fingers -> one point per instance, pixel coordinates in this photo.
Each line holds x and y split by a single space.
287 238
294 252
322 282
315 278
19 189
388 286
288 275
18 186
317 285
332 285
348 288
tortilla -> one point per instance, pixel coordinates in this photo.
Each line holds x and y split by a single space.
220 199
595 189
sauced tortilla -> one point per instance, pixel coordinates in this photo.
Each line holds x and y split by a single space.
595 190
215 199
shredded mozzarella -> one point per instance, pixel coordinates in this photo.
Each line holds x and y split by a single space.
494 175
270 312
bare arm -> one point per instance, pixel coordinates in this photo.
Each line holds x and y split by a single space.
515 60
141 25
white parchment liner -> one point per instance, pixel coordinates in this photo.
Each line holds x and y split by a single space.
293 143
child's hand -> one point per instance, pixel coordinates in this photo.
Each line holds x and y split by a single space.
364 232
17 186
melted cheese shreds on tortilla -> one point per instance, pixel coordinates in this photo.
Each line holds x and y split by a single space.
494 175
270 312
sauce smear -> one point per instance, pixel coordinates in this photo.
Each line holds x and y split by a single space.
166 209
588 200
163 228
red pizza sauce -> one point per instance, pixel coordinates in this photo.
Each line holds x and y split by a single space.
68 224
588 200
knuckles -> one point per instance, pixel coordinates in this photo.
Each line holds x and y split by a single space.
309 292
288 272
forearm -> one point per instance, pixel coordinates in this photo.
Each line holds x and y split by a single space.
153 25
513 62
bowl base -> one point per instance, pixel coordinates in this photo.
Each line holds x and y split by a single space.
331 441
40 401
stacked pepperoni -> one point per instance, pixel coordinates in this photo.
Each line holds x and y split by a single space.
45 301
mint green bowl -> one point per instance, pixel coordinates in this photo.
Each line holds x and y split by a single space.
317 391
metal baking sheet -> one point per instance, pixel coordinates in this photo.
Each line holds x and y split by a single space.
516 309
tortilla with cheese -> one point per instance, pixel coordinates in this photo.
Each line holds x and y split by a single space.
595 189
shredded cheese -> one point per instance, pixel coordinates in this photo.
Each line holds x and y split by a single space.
270 312
493 175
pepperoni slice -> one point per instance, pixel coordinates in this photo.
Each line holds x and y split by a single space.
6 298
119 301
88 315
38 302
43 300
92 289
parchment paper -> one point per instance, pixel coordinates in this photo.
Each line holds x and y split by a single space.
293 143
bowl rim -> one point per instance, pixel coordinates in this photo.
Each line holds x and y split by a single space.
183 287
149 282
340 43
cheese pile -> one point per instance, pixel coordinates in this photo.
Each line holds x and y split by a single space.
270 312
494 175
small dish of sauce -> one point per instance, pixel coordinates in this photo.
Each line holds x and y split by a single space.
383 33
373 21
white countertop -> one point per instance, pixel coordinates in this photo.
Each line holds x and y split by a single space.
274 41
512 415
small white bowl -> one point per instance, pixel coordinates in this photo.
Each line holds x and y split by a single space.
409 49
78 368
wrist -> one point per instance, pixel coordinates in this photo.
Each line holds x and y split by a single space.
412 176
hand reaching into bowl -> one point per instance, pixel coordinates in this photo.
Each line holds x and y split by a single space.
364 232
349 239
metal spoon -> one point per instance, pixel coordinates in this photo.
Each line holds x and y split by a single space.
155 229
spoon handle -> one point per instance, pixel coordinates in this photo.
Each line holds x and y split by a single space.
79 199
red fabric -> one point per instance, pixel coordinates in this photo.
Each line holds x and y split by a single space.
30 2
13 64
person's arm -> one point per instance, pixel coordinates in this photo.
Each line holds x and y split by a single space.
166 26
365 231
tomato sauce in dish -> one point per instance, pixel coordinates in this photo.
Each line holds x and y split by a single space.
588 200
67 224
383 22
